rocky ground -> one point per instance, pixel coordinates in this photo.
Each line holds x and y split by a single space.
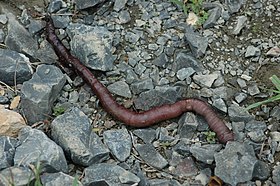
147 53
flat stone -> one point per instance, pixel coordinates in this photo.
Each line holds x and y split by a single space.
84 42
72 131
198 44
119 4
109 175
187 125
185 73
205 153
59 178
237 113
14 64
147 135
142 85
40 92
120 88
234 5
11 122
18 175
214 15
119 143
149 154
241 23
235 164
205 80
273 52
276 174
45 151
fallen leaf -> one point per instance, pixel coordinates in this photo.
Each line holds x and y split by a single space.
192 19
15 102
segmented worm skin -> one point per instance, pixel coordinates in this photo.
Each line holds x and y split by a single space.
131 118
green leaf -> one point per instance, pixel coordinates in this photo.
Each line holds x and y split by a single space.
272 99
276 81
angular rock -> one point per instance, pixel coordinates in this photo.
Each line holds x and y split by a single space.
163 182
10 122
16 176
205 153
187 125
220 104
120 88
119 143
92 45
237 113
19 39
148 135
161 60
184 167
241 23
197 43
276 174
273 52
72 131
185 60
142 85
124 17
149 154
59 178
214 15
83 4
40 92
35 147
234 5
109 175
205 80
54 6
252 51
185 73
15 67
7 151
235 164
152 98
119 4
261 170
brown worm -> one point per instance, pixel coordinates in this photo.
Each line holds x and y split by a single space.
131 118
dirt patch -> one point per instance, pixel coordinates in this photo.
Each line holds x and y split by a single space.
14 5
265 72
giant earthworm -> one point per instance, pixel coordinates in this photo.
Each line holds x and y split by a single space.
132 118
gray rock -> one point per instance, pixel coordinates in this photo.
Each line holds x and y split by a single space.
205 153
276 174
220 104
185 60
84 42
234 5
132 37
237 113
163 182
241 23
4 100
119 143
275 112
131 76
40 92
152 98
273 52
235 164
197 43
54 6
205 80
83 4
19 39
214 15
148 135
59 178
185 73
124 17
183 148
119 4
44 151
142 85
149 154
19 175
240 97
120 88
3 19
183 166
187 125
252 51
253 89
60 21
15 68
72 131
164 136
261 170
109 175
161 60
7 151
2 35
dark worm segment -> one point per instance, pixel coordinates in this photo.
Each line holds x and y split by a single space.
131 118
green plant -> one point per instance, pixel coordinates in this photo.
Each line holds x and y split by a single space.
58 110
276 81
210 136
195 6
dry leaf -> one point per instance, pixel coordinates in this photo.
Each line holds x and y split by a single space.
15 102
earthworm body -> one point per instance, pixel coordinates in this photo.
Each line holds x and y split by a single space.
132 118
